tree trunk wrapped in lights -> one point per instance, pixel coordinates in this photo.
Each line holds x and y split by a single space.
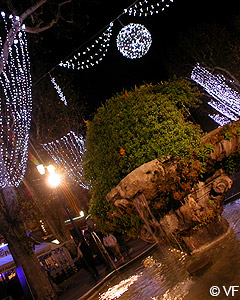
15 117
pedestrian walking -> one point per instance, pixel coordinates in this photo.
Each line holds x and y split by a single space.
110 241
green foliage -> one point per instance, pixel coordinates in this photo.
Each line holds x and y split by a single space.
227 131
231 164
179 93
133 128
203 155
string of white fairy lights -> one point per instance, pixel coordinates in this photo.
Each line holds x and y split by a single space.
16 101
220 120
59 90
67 152
91 55
145 8
227 99
15 105
94 54
133 41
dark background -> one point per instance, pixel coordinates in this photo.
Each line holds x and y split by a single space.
116 73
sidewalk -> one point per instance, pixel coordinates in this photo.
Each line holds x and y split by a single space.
81 285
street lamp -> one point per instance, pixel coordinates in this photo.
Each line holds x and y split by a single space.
54 179
41 169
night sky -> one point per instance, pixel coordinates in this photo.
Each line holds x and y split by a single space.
116 73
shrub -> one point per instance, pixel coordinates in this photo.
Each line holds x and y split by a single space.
133 128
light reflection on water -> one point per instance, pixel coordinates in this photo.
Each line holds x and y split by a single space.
117 290
163 275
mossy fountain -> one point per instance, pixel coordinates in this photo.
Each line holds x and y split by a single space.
153 173
196 222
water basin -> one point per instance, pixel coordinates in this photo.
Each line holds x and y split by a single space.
165 273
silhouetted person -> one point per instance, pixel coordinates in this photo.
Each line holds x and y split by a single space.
97 248
87 260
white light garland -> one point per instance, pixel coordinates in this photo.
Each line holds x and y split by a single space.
221 120
67 153
145 8
15 106
59 91
228 99
223 110
95 53
92 55
134 41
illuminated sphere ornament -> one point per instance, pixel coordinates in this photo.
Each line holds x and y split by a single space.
134 41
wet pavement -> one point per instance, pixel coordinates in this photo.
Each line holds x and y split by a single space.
81 285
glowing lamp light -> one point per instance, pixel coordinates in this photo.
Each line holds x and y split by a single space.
56 242
51 169
3 245
134 41
81 213
41 169
54 179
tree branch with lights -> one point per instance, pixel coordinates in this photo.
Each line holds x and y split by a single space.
36 29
